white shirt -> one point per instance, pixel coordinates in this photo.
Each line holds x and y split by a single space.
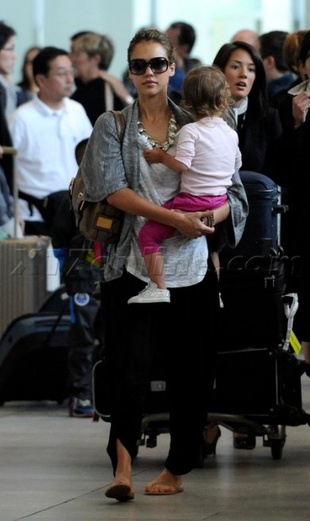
45 140
180 270
209 149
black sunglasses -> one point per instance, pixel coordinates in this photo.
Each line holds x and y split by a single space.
158 65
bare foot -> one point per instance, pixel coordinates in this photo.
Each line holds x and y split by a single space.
165 484
121 489
211 433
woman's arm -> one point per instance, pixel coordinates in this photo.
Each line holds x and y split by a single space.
187 223
232 228
300 107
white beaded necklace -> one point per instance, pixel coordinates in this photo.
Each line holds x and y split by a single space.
172 130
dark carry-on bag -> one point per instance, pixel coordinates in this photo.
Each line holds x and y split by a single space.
156 400
262 229
252 277
252 292
262 384
33 358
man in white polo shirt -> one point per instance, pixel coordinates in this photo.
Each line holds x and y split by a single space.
45 132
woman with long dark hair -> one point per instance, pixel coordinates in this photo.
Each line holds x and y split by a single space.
257 124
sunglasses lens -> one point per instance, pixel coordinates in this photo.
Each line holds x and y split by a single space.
137 66
157 65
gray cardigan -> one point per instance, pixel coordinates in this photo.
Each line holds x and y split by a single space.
111 163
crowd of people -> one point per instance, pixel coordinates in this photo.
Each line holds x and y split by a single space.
179 112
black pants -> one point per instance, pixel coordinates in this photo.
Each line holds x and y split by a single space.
37 228
84 312
185 331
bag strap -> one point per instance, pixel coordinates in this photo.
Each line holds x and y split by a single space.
108 95
120 123
40 204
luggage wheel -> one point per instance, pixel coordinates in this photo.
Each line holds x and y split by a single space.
152 426
275 439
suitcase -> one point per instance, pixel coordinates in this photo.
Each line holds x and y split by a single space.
252 293
262 229
253 275
33 358
261 384
156 401
23 276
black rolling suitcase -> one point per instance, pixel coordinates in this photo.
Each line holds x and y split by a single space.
252 276
262 230
33 358
261 384
252 293
156 400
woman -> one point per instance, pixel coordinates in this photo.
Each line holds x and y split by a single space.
259 130
96 89
27 85
120 173
257 124
295 116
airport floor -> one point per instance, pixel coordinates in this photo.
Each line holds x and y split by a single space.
55 468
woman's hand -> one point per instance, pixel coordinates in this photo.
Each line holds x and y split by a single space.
192 224
300 107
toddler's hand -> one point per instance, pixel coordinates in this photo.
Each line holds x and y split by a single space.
153 155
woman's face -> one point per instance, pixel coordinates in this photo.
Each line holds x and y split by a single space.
8 57
28 63
85 67
149 82
240 74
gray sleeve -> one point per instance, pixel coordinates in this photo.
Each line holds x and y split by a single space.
232 229
102 165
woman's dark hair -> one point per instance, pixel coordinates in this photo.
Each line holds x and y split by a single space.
152 35
6 32
25 80
41 63
258 96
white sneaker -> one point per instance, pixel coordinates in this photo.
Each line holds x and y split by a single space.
151 294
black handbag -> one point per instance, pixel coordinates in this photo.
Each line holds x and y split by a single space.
97 221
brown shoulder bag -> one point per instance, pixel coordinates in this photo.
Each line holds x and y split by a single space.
100 221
